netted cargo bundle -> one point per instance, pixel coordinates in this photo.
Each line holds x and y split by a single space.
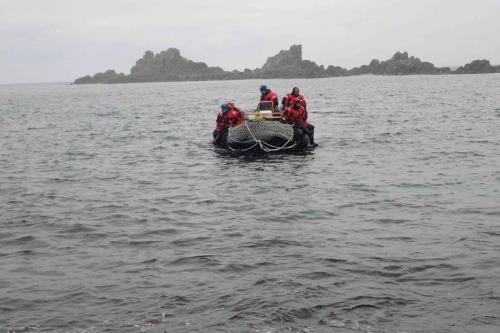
269 135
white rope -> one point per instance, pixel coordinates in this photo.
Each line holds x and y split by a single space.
243 150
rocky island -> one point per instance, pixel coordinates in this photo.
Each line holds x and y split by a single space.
169 65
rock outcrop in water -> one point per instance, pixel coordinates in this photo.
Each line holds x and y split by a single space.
109 76
169 65
399 64
289 64
477 67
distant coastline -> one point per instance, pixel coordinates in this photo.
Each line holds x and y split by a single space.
169 65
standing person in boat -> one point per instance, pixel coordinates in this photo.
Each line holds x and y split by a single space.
295 114
267 94
228 116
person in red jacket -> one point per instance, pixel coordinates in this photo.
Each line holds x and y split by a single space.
235 115
291 98
228 117
295 113
267 94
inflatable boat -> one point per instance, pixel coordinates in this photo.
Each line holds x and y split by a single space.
260 135
263 131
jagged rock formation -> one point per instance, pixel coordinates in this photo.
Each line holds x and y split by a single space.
289 64
336 71
109 76
169 65
399 64
477 67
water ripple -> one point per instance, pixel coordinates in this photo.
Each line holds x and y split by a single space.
117 214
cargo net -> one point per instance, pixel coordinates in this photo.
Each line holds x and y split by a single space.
267 134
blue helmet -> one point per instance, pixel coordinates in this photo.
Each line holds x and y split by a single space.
225 108
263 88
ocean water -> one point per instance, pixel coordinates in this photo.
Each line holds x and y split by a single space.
118 215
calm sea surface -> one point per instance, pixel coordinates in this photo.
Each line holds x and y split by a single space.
117 214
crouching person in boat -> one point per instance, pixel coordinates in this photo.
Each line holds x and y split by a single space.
296 115
228 116
267 94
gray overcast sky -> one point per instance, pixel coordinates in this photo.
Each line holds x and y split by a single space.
59 40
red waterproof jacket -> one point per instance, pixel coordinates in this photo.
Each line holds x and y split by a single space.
235 117
227 119
289 100
270 95
221 121
295 116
